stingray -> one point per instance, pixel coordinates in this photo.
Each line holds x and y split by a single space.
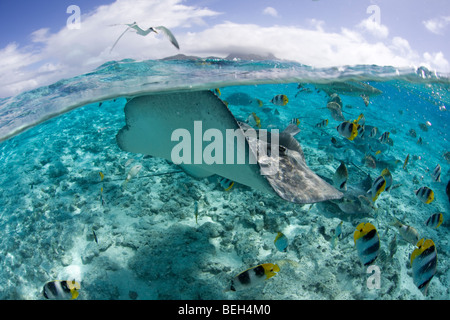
152 120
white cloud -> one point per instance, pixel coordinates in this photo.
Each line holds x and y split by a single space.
271 12
374 27
66 53
437 25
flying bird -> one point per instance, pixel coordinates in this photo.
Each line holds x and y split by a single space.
142 32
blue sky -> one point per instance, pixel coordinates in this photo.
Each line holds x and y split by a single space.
37 46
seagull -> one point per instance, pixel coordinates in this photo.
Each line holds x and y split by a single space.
142 32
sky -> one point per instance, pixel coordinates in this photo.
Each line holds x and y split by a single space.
42 41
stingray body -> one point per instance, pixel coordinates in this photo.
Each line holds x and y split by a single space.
152 120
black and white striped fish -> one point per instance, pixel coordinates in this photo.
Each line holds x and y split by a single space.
61 290
436 174
384 137
425 194
435 220
424 263
367 243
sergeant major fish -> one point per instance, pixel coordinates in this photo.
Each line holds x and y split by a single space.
408 233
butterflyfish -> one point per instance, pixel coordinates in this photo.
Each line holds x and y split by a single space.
281 242
436 174
425 194
227 184
367 243
322 124
280 100
340 177
435 220
348 130
61 290
388 177
377 188
254 276
424 263
384 137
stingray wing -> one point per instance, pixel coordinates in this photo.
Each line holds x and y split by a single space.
152 120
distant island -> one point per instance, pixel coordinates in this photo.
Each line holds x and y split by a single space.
231 56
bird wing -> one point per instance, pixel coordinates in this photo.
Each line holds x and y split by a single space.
169 35
128 28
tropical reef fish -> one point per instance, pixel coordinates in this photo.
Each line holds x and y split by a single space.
424 263
340 177
436 174
227 184
336 111
367 242
295 121
254 120
281 242
348 130
336 235
447 191
95 236
373 132
406 162
132 173
254 276
384 137
435 220
377 188
388 177
408 233
322 124
61 290
425 194
280 100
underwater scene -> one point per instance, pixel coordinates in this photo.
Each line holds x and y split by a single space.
94 204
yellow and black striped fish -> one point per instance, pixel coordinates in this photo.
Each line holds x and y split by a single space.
254 276
295 121
424 263
227 184
425 194
61 290
435 220
378 187
348 130
280 100
367 243
322 124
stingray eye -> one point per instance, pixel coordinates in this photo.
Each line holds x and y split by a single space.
282 150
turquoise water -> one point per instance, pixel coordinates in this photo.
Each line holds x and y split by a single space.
150 242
